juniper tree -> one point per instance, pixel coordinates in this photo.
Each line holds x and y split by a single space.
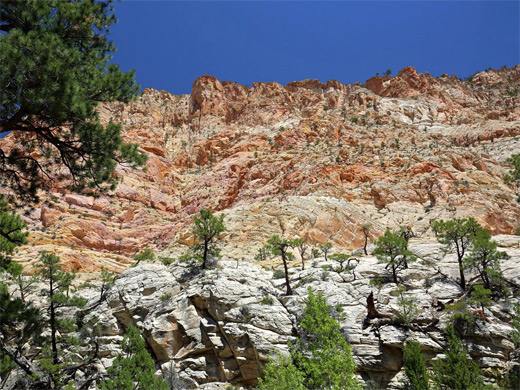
415 367
54 70
281 374
392 249
457 233
207 229
456 371
321 351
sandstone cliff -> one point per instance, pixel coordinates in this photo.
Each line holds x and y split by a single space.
219 326
317 160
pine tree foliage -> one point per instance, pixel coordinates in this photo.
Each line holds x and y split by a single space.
57 349
513 176
207 229
415 367
134 369
281 374
54 70
322 352
457 233
456 371
12 233
485 259
392 249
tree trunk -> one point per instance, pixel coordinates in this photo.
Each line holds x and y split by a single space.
365 246
394 274
289 289
205 255
462 278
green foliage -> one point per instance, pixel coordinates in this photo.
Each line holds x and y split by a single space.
12 233
57 290
415 367
456 371
322 352
480 296
514 175
207 229
407 307
262 255
457 233
485 259
146 255
515 323
392 249
278 274
134 369
54 70
325 248
281 374
267 300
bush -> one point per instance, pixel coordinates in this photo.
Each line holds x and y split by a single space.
414 367
278 274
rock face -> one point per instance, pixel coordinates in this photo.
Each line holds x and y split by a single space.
220 325
322 159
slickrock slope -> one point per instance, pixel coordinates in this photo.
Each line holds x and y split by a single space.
317 160
221 325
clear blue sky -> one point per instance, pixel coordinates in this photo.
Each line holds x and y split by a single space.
171 43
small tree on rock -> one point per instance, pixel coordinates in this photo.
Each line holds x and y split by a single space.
207 229
392 249
415 367
322 352
456 371
299 244
280 247
485 259
513 177
365 229
281 374
457 233
325 248
55 360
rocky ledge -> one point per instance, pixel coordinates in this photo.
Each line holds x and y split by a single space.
219 326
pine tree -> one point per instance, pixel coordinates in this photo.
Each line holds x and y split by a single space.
54 70
207 229
322 352
12 233
485 259
457 233
513 177
57 364
280 247
392 249
456 371
281 374
415 367
134 369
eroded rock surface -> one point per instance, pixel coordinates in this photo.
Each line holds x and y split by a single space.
322 158
220 325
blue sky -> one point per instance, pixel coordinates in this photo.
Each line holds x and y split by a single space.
171 43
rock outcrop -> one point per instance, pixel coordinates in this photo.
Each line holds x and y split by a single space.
220 325
322 158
